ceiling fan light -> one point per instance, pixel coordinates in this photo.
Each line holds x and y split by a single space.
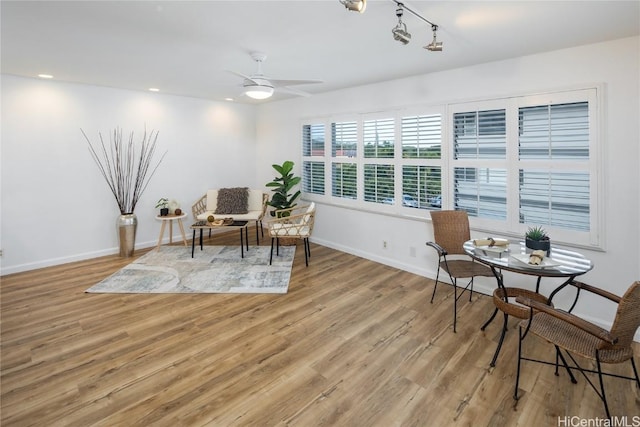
258 91
355 5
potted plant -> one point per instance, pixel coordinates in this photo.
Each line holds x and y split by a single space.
127 168
163 204
536 238
282 186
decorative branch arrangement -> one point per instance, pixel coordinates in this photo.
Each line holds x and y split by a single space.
124 168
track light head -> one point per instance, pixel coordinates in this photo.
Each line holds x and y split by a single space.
400 32
434 46
355 5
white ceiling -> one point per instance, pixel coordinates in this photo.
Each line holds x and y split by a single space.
186 47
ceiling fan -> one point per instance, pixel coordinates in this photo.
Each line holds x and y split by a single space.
259 86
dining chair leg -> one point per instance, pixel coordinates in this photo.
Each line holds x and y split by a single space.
520 338
271 255
455 305
604 397
436 285
635 371
502 334
566 365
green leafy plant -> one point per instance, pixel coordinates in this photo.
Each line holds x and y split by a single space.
162 203
282 187
536 233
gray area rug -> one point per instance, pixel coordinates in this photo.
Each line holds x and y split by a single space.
215 269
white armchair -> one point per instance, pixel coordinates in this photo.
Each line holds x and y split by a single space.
292 223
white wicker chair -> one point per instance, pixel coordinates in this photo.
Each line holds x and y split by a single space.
292 223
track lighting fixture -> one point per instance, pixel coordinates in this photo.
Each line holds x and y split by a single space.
434 46
355 5
400 32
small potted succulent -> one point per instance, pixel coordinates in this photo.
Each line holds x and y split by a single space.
163 204
536 238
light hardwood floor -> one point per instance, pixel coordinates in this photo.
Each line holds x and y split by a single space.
353 343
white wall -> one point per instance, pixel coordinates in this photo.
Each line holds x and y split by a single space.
614 64
56 207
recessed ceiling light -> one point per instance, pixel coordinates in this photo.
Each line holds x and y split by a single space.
45 76
154 89
228 99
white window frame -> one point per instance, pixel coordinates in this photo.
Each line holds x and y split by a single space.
511 227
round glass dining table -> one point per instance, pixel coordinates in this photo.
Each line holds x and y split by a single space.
561 263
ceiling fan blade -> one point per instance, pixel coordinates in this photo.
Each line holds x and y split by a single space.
293 91
280 83
244 76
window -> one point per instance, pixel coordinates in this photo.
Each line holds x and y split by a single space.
481 192
528 160
344 139
378 137
558 135
421 137
344 148
313 177
313 140
480 135
313 158
421 186
378 183
344 180
510 163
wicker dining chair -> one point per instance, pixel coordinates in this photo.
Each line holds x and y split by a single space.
450 231
577 336
292 223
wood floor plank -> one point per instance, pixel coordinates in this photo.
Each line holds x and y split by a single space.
353 343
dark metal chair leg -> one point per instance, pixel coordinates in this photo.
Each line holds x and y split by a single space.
455 306
502 334
604 397
635 371
436 285
520 337
566 365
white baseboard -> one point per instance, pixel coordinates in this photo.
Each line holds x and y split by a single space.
73 258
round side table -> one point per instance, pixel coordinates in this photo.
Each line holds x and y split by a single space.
170 219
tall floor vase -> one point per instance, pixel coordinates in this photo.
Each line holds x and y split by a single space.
127 225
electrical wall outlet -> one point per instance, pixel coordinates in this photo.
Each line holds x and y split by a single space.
412 251
384 244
